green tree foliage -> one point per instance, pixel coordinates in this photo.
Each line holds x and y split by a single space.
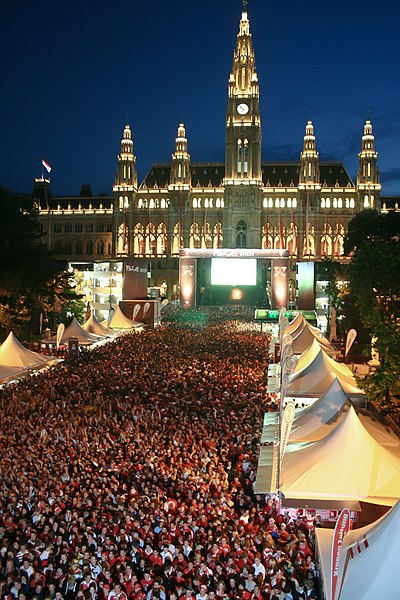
32 281
374 274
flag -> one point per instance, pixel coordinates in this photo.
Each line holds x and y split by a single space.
45 164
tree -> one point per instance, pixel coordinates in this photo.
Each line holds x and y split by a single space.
334 273
31 278
374 274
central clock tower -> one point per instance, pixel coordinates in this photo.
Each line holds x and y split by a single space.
243 177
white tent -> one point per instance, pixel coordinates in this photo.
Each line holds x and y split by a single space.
369 559
347 464
74 330
121 321
8 373
303 338
315 372
298 323
14 354
92 325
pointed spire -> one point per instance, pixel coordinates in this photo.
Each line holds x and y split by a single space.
368 173
309 159
243 80
180 171
126 170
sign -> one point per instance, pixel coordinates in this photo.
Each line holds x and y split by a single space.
341 528
287 422
135 280
277 352
60 333
187 282
73 347
351 336
279 281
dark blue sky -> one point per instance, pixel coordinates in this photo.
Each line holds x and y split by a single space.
74 72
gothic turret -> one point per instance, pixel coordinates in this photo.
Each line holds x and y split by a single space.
243 124
124 192
180 169
126 176
309 161
368 174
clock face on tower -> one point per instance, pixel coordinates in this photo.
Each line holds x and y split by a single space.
242 109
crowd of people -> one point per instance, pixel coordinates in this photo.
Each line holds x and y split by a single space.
129 474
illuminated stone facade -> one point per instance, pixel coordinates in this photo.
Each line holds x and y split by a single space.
246 203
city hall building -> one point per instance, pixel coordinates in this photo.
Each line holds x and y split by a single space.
243 203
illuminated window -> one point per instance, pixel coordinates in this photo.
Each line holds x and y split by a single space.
294 203
218 203
270 202
218 236
222 203
151 203
289 202
322 202
327 202
340 203
334 203
194 203
352 203
241 235
211 202
276 202
138 240
195 241
206 203
121 202
161 239
163 203
282 202
126 202
366 201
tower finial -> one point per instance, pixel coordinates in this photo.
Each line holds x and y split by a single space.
244 5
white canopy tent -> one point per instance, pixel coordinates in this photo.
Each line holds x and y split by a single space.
347 464
14 354
303 338
369 559
75 330
92 325
315 372
121 321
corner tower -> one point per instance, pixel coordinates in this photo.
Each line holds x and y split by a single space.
368 183
124 192
243 176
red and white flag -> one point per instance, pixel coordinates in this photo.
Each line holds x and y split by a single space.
46 165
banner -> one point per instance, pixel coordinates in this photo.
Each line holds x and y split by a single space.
287 422
341 528
73 347
60 333
351 336
136 311
134 285
146 309
40 323
164 303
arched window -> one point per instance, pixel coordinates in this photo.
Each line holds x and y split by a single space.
176 239
138 240
276 202
100 248
340 203
241 235
161 239
309 242
282 203
218 236
292 238
322 202
327 202
206 238
334 203
338 240
326 241
206 203
78 248
294 203
152 205
289 203
150 239
89 248
195 241
352 204
218 203
266 237
270 202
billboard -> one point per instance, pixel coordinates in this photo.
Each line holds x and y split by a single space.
135 279
187 282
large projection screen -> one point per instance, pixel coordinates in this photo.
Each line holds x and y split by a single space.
233 271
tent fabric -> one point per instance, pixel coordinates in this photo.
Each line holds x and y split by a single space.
14 354
75 330
346 464
8 373
303 339
92 325
372 572
120 321
315 372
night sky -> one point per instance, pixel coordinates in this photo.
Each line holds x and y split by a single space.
74 72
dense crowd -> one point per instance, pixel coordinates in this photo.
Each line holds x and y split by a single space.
129 473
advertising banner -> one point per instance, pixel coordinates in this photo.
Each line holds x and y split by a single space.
341 528
279 283
287 422
135 280
60 333
187 282
351 336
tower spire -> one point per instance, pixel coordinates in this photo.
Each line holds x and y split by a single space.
245 6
